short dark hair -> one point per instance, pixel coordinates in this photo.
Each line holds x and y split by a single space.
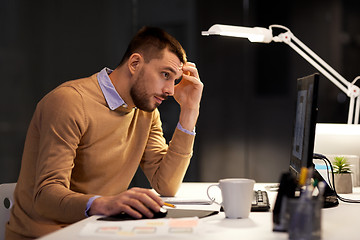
150 42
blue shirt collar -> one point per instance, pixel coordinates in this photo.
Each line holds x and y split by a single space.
112 97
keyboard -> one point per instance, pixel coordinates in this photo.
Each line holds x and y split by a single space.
260 202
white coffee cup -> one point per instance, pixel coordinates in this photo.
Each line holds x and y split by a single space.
237 195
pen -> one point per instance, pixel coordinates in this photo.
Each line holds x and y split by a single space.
169 205
303 176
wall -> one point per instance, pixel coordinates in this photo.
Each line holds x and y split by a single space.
245 123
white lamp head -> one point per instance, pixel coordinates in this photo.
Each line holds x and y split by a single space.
255 34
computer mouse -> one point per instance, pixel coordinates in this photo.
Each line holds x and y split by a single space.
124 216
161 214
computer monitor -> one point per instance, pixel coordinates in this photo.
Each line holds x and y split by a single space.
302 148
304 124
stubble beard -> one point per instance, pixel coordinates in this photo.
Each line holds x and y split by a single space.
140 97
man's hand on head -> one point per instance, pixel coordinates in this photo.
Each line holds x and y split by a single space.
188 94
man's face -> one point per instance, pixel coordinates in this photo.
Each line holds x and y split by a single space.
155 81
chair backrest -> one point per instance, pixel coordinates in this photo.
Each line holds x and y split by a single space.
6 202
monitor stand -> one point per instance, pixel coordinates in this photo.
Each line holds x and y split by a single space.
330 198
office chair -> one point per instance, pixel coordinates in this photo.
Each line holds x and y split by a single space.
6 202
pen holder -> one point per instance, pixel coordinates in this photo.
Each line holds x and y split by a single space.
304 217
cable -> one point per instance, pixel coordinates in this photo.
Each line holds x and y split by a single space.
332 185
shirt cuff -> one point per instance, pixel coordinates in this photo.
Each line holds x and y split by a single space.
88 205
185 131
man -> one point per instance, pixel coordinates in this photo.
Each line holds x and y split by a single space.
87 137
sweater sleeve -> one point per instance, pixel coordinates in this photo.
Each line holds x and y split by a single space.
165 165
60 122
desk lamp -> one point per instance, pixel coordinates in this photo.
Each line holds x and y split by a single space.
259 34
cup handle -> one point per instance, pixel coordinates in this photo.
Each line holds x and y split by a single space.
212 198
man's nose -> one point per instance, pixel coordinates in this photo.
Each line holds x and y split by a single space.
169 88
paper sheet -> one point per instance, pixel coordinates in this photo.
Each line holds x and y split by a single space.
186 201
141 228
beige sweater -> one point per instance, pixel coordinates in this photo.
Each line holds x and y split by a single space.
76 147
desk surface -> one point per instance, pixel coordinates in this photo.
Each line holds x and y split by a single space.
337 223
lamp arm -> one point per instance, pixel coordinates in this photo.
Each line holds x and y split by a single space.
322 62
309 56
350 89
318 67
357 106
351 109
357 111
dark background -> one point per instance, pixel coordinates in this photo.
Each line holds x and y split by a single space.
246 117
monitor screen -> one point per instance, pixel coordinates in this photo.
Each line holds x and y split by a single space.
302 148
305 122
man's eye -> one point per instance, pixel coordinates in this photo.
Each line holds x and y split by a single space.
166 75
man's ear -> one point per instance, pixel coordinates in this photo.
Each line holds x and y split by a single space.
134 62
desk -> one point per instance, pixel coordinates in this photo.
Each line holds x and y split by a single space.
341 222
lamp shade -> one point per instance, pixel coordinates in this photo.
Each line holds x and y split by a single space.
254 34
